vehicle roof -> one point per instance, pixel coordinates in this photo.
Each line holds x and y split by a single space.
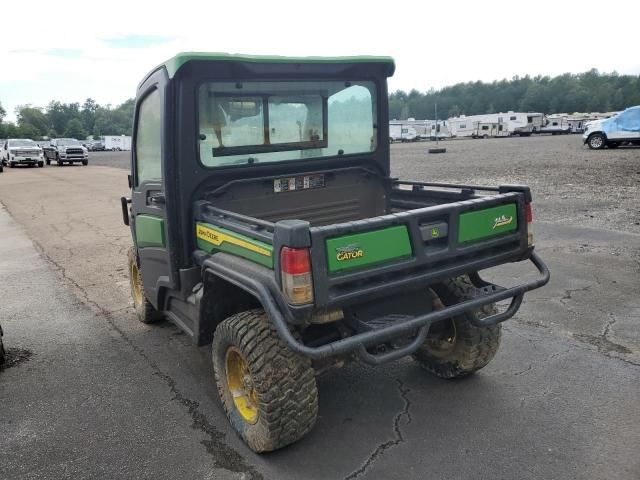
174 64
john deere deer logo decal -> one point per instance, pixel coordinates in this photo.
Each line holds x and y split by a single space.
501 221
349 252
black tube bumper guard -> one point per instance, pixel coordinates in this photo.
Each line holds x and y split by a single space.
359 342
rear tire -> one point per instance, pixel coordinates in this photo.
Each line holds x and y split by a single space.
145 311
268 391
596 141
455 347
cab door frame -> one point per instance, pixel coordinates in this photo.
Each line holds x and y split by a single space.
149 219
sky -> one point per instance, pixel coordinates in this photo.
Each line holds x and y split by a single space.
71 50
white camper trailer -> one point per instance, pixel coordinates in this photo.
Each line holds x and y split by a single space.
556 125
116 142
422 127
514 123
429 129
401 132
489 129
439 130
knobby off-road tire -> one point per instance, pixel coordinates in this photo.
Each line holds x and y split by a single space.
454 347
145 311
277 401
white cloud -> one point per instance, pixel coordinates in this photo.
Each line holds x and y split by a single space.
434 43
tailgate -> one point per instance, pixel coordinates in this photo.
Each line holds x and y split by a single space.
417 247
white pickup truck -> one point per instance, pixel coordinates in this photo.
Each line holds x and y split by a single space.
21 151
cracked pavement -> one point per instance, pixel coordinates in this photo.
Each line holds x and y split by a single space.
100 395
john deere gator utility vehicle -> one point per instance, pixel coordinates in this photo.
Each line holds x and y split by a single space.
265 222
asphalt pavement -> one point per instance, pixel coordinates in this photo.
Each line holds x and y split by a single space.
95 394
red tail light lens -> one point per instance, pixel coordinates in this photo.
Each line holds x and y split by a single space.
295 261
529 211
295 268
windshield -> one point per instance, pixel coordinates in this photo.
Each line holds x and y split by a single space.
251 122
68 141
22 143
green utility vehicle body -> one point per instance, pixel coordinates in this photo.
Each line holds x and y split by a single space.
209 233
266 222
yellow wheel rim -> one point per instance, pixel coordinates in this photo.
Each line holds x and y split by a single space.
447 342
136 288
241 386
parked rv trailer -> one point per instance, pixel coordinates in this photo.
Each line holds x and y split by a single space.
422 127
440 130
489 129
116 142
556 125
514 123
401 132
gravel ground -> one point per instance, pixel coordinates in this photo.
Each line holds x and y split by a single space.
95 394
571 184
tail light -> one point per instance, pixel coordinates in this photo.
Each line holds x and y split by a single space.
528 208
297 284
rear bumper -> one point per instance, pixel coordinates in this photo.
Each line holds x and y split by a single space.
416 326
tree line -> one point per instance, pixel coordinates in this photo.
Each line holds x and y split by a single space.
71 120
590 91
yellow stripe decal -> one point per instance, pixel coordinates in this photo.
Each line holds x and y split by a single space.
217 238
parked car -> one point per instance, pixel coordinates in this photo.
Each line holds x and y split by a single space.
614 131
66 150
97 147
21 151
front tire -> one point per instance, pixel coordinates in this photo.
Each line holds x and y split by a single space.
596 141
145 311
48 162
40 164
268 391
455 347
85 162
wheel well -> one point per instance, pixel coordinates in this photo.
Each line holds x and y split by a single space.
220 300
599 133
